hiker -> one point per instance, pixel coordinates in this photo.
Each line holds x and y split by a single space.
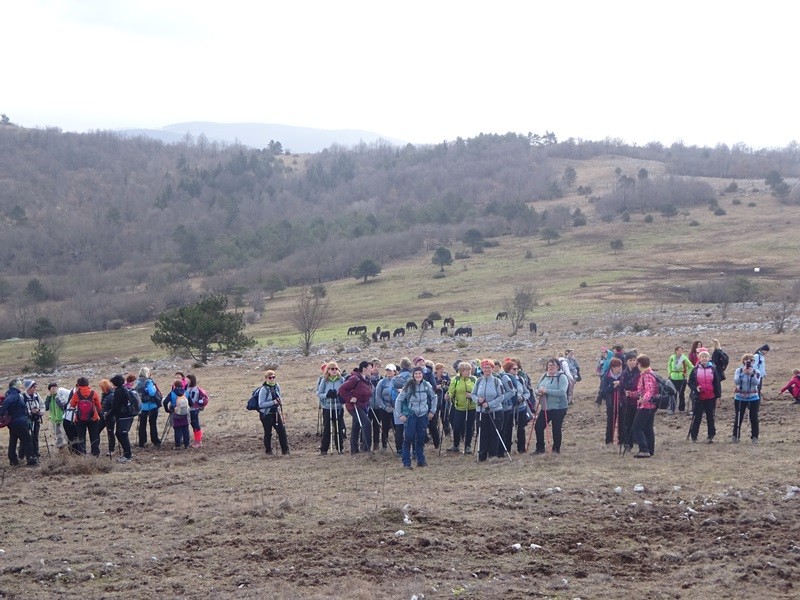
519 401
69 419
705 384
198 400
415 406
356 392
19 425
86 403
445 409
611 392
459 393
177 404
760 364
121 416
793 387
35 407
719 358
331 406
54 405
428 375
373 413
693 358
643 431
384 400
151 404
106 397
574 371
563 365
270 412
746 398
551 396
679 367
630 396
489 396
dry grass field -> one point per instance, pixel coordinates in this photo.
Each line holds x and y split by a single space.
227 521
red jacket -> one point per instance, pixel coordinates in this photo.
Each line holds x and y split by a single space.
356 387
648 387
793 387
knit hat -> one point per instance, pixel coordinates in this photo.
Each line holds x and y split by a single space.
28 384
117 380
630 355
52 384
417 370
419 358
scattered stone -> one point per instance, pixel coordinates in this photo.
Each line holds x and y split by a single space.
618 489
516 547
638 487
399 533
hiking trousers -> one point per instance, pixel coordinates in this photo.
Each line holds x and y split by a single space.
702 407
269 422
20 433
643 431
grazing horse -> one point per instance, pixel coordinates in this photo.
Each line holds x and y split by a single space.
443 331
411 325
352 330
399 332
501 315
361 329
450 322
427 324
375 336
467 331
385 335
532 326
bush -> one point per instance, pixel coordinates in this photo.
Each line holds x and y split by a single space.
648 218
736 201
751 204
693 223
424 295
583 284
579 221
528 254
439 275
434 316
45 356
626 216
720 211
732 187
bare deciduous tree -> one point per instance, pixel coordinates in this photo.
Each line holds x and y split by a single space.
309 313
519 306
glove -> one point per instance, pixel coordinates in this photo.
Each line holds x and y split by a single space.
331 394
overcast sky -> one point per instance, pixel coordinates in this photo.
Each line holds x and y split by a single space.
703 72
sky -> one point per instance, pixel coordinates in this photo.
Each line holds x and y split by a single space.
704 72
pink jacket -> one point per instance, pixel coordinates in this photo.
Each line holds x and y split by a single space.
648 387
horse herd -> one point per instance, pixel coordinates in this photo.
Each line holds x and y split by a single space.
449 324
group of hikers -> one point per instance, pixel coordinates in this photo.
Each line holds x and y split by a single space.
74 413
484 408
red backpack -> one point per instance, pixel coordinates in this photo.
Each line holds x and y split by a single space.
5 418
85 408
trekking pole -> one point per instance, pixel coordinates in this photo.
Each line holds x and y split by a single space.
500 437
439 432
547 436
47 443
167 427
364 440
319 420
478 438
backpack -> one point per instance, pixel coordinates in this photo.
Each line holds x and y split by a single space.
665 392
84 411
252 404
203 398
181 406
141 388
134 403
5 418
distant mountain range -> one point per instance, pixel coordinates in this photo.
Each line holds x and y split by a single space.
258 135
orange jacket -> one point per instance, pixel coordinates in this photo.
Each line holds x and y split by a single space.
87 392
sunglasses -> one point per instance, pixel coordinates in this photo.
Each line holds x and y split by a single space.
333 369
271 377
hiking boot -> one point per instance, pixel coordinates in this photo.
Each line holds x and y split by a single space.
734 439
453 449
754 441
467 450
123 459
32 464
642 455
421 465
670 412
694 440
409 467
710 439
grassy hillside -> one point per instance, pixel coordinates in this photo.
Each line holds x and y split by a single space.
660 260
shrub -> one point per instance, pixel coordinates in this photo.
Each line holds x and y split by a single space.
751 204
579 221
648 218
693 223
439 275
528 254
719 211
434 316
736 201
424 295
626 216
583 284
45 356
732 187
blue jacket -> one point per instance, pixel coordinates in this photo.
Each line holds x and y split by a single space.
267 398
15 407
420 401
746 385
323 387
384 394
556 395
491 389
147 391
